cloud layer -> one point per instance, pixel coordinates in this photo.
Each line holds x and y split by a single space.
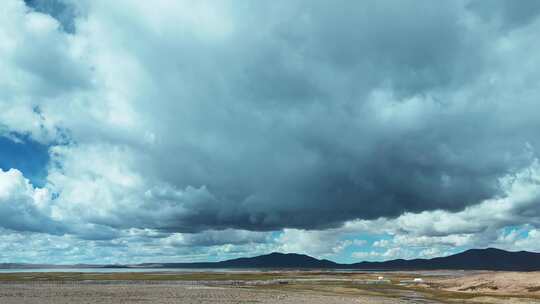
240 124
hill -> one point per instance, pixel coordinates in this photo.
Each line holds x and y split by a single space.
474 259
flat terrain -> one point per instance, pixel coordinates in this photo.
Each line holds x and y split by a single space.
271 287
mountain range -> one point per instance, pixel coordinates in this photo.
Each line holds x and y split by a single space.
473 259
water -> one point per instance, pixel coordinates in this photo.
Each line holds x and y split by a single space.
124 270
173 270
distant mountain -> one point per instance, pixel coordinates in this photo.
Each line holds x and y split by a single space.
272 260
289 260
474 259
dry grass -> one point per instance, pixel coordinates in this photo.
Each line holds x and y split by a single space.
438 288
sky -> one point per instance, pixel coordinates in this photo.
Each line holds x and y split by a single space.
177 131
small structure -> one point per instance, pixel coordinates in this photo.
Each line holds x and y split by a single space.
413 281
380 278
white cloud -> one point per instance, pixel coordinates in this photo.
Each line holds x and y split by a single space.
318 243
23 207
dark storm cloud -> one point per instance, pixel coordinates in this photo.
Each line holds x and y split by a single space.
304 114
510 14
284 120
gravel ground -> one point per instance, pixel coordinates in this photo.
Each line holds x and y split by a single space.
166 294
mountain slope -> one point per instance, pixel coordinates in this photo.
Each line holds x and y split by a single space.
473 259
289 260
272 260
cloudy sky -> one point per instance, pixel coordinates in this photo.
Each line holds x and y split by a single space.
135 131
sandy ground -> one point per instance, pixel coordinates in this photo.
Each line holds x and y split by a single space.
167 294
521 283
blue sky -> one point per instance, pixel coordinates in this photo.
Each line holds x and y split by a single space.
28 156
136 131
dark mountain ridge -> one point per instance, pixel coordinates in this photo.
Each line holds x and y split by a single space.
473 259
272 260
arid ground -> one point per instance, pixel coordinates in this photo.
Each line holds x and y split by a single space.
271 287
